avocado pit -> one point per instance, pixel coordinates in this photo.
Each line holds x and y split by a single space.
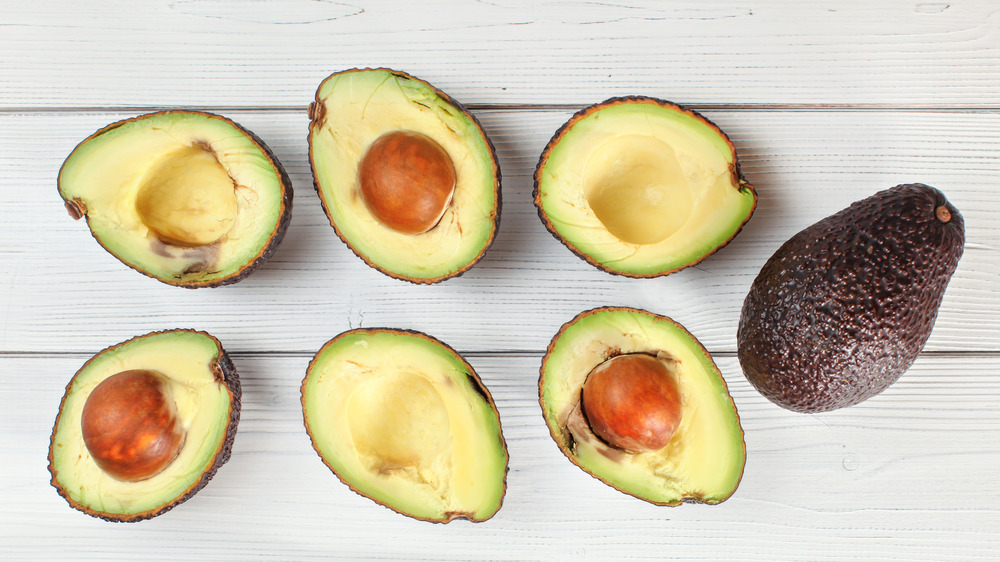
131 426
632 402
407 181
187 198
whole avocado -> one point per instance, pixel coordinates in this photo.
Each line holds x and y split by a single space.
843 308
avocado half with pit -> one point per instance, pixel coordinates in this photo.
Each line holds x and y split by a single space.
404 420
641 187
144 425
407 177
189 198
634 399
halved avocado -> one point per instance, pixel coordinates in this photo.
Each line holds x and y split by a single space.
189 198
704 454
404 420
144 425
641 187
408 178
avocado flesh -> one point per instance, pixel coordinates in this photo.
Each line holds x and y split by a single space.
188 198
641 187
844 307
404 420
206 390
352 110
703 461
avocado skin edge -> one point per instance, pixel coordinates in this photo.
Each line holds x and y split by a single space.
843 308
225 372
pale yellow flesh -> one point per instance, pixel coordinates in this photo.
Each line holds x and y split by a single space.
359 107
130 206
187 360
704 459
642 188
637 189
187 198
396 418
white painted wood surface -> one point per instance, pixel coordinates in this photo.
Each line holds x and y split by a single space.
826 102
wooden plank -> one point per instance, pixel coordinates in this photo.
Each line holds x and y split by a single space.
64 293
903 475
225 53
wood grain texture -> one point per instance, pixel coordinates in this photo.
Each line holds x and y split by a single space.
899 476
806 165
827 102
226 53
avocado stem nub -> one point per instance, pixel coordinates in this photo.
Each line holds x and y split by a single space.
77 209
942 213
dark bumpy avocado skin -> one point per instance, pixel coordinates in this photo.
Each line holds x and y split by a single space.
225 372
844 307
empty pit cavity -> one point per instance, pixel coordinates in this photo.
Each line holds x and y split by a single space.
637 189
398 421
187 198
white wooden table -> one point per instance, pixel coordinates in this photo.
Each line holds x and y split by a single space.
827 103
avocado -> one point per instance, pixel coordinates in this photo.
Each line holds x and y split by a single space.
404 420
144 425
407 177
634 399
641 187
843 308
189 198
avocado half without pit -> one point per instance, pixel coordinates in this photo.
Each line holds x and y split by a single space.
634 399
407 177
641 187
144 425
404 420
189 198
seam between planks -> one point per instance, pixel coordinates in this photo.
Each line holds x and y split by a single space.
934 354
527 107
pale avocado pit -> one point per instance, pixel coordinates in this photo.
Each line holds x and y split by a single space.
699 456
404 420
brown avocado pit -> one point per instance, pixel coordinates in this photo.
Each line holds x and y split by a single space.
632 402
407 181
187 199
130 425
